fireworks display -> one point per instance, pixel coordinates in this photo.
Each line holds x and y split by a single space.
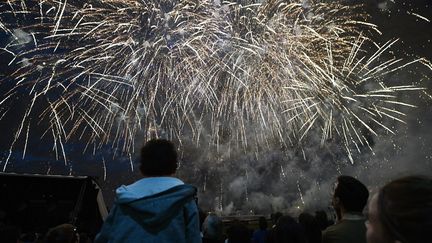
244 73
108 70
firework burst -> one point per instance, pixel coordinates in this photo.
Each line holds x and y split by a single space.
106 71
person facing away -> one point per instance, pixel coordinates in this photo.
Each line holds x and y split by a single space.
349 198
156 208
64 233
287 230
401 212
311 227
238 232
260 235
322 219
213 229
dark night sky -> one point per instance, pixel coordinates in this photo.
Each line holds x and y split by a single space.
414 140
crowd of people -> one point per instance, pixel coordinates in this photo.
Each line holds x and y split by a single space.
162 208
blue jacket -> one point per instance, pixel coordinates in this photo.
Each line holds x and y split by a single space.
155 209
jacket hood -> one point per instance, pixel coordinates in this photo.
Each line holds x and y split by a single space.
156 209
145 187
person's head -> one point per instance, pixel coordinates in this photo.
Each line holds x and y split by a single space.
401 212
64 233
287 230
306 218
202 216
311 227
238 232
213 227
350 195
322 219
158 158
262 222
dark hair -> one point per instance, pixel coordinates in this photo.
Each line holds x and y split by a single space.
287 230
322 219
311 227
262 222
158 158
352 193
213 228
64 233
238 233
405 208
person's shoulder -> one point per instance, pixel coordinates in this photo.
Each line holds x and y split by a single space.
331 234
342 231
332 229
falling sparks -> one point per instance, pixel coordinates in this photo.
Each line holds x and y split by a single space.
104 169
131 162
300 193
108 71
418 16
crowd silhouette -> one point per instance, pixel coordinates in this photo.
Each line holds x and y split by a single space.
162 208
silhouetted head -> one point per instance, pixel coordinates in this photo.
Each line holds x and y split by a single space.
311 227
287 230
64 233
238 233
158 158
322 219
401 212
262 221
350 194
213 228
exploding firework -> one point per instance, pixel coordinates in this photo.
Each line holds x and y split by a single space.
107 71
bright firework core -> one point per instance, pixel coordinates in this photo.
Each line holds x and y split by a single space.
247 89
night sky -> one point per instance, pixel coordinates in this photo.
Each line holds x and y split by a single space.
409 151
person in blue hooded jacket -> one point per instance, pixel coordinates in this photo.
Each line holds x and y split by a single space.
156 208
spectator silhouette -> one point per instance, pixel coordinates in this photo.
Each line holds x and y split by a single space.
64 233
349 198
238 233
287 230
202 216
401 212
322 219
156 208
260 235
311 227
212 229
